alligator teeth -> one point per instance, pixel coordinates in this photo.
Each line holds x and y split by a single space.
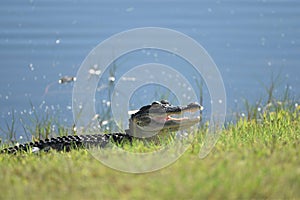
176 118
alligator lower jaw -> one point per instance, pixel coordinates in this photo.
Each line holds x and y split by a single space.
181 123
169 123
186 116
155 129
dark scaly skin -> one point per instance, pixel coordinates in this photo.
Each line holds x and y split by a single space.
66 143
141 124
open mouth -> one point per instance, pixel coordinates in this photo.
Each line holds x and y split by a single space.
189 113
193 115
174 120
158 118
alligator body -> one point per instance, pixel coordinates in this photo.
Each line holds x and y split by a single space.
148 122
66 143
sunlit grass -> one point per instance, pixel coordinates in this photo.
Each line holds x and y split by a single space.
252 160
256 157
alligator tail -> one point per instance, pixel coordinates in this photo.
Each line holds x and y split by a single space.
66 143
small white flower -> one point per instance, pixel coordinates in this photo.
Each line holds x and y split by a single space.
111 78
35 150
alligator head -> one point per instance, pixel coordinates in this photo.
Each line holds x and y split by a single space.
161 116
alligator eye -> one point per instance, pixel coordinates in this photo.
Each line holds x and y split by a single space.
155 103
164 101
143 121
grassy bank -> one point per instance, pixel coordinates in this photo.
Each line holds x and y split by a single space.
257 159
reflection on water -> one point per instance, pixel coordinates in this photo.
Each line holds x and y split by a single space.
42 41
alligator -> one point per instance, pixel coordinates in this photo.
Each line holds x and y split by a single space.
148 123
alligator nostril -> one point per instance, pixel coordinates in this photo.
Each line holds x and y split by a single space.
194 105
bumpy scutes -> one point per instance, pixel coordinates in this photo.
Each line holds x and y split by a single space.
66 143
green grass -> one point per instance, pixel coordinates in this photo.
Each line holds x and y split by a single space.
252 160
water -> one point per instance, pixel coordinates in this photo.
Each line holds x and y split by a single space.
40 41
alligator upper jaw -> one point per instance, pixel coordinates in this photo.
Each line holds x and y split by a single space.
192 107
175 118
172 121
178 115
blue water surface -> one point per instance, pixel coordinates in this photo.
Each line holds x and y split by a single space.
41 41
